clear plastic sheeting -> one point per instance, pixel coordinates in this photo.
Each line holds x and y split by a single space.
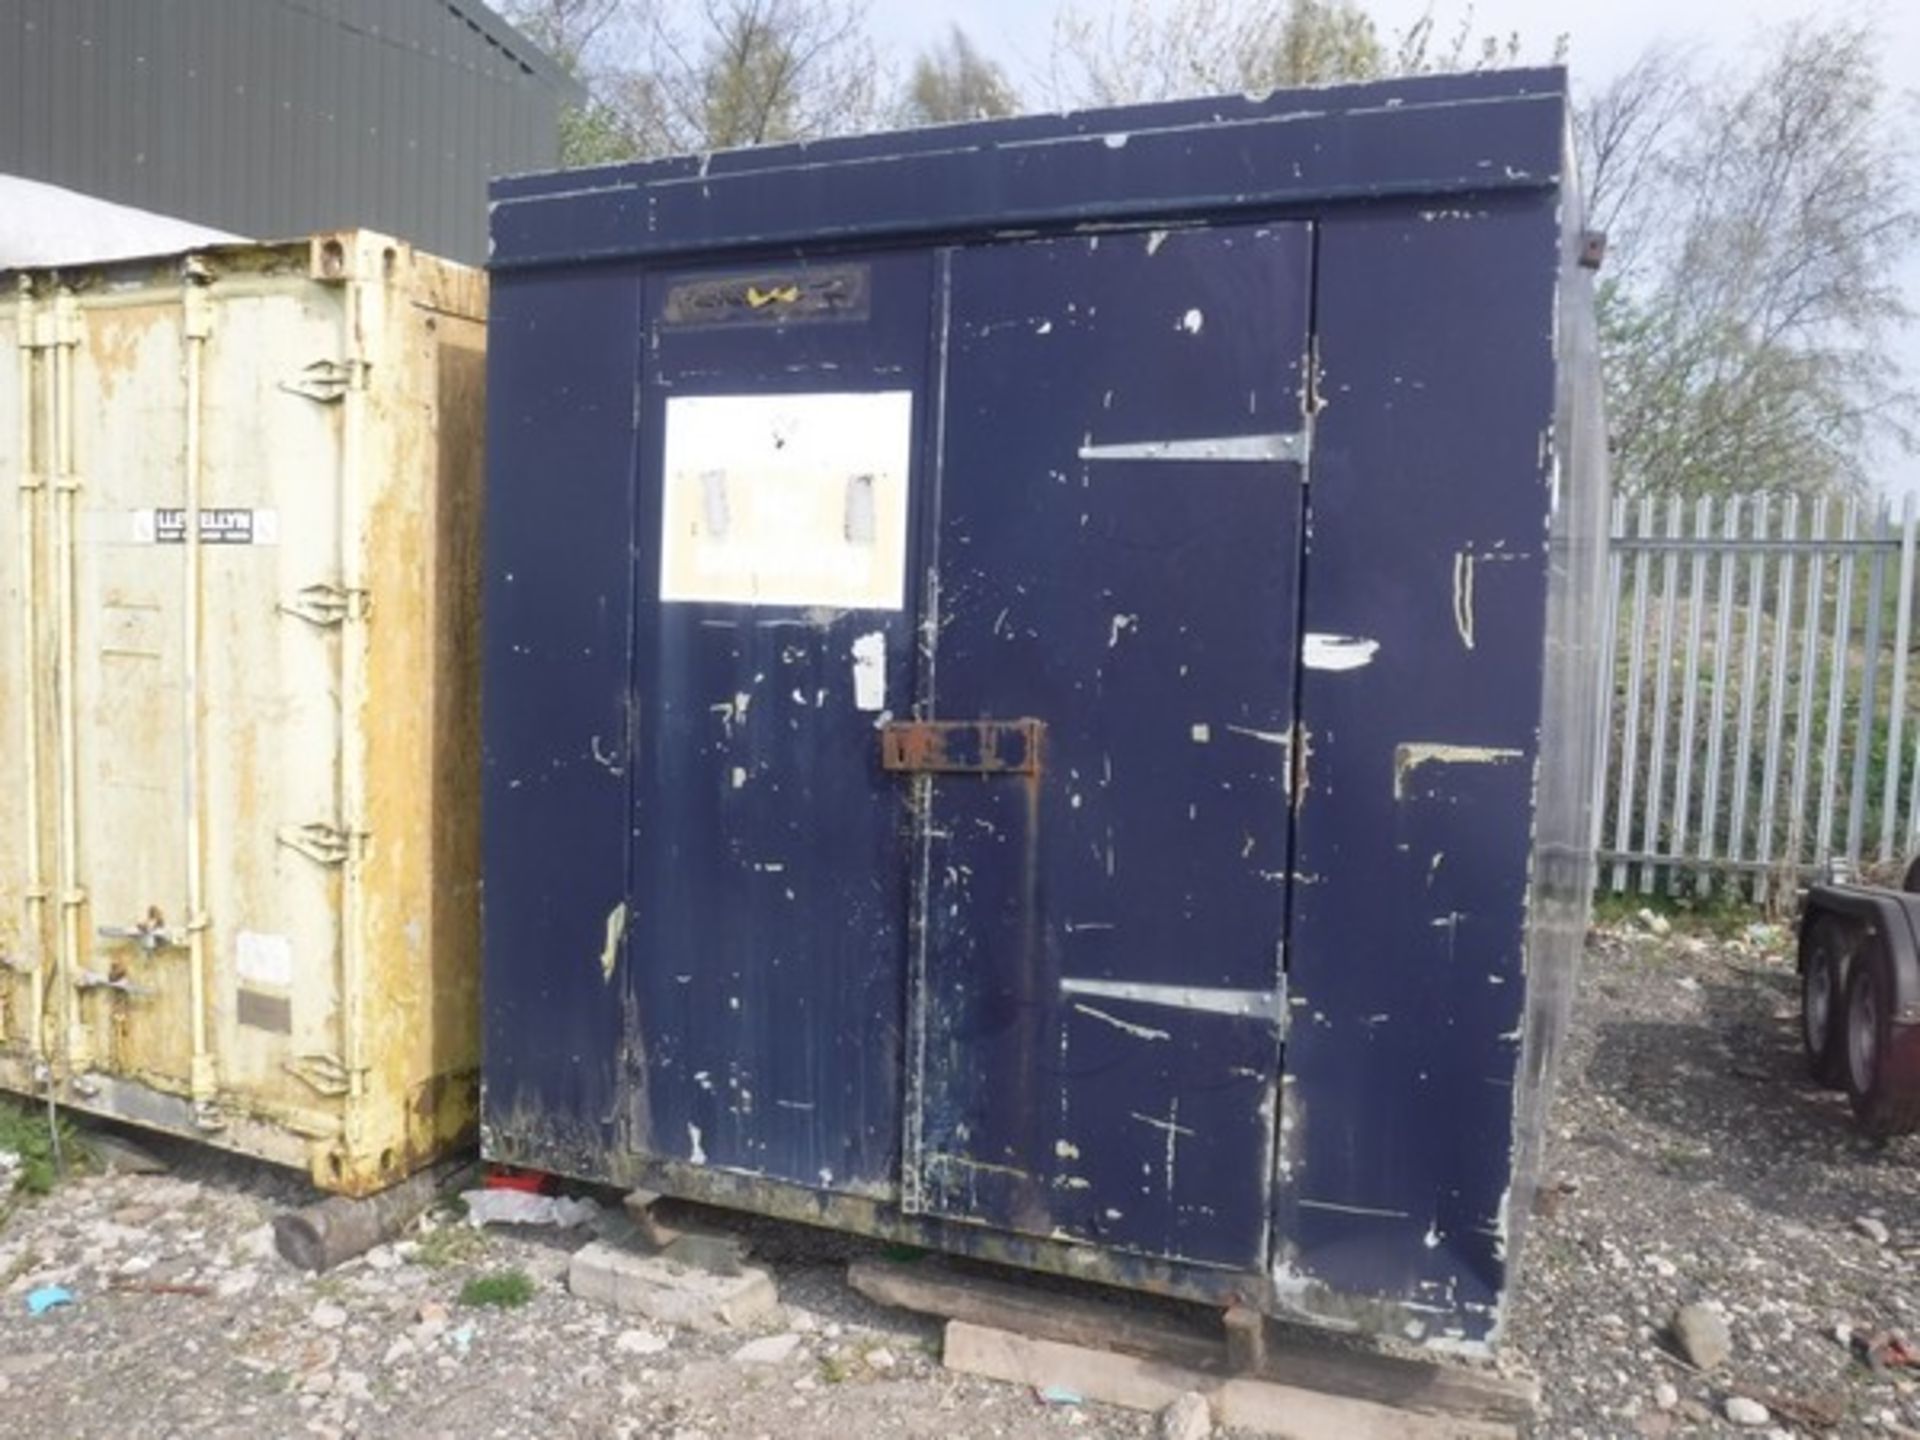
43 224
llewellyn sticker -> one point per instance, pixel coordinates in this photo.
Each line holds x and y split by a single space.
217 527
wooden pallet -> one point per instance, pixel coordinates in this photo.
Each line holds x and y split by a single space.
1142 1358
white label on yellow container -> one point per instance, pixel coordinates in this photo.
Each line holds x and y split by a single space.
787 499
264 959
219 525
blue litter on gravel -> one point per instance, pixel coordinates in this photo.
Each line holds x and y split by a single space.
47 1298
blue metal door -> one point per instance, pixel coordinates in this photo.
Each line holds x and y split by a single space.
1096 999
764 935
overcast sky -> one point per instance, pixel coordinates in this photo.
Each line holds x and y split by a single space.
1603 37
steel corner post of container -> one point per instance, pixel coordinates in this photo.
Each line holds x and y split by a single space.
25 953
960 766
246 901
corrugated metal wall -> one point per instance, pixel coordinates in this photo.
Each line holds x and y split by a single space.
275 117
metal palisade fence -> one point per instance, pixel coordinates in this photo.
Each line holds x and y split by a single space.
1755 732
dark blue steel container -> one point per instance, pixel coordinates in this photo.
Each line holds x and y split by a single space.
1038 686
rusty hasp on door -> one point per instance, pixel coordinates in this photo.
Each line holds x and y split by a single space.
962 747
1063 644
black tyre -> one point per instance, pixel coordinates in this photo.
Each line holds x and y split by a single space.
1885 1099
1829 945
1911 881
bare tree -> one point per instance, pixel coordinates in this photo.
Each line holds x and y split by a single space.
588 38
671 76
747 72
952 80
565 29
1421 49
1148 51
1626 134
1758 221
1108 55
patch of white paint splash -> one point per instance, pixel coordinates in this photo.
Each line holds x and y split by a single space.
1192 322
1066 1150
1121 623
870 672
616 935
1174 1131
1410 756
1337 652
697 1153
1155 239
1139 1032
1463 596
1213 1000
1282 738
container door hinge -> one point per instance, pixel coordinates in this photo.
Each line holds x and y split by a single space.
328 381
322 843
324 1074
327 605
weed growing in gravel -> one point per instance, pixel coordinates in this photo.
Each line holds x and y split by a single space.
1721 916
503 1289
24 1131
835 1369
449 1245
1681 1161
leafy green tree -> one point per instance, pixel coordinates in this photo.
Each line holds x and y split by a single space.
592 133
1758 218
953 81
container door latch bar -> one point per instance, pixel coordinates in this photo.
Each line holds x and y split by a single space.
327 381
326 605
321 843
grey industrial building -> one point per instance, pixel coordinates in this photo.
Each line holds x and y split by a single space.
272 118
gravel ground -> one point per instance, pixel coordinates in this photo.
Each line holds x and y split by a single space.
383 1346
1699 1164
1691 1160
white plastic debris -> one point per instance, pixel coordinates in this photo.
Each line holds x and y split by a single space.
43 224
518 1207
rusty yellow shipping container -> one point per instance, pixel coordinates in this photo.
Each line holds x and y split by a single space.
238 698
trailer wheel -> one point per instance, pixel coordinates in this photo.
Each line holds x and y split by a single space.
1823 978
1880 1102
